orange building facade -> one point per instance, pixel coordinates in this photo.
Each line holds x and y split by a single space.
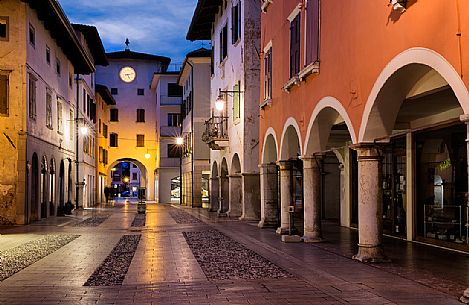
363 119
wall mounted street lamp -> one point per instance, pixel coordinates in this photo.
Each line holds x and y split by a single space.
222 97
147 156
398 5
84 130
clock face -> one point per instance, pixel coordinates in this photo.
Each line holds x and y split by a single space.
127 74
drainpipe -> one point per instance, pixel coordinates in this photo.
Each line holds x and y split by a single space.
77 185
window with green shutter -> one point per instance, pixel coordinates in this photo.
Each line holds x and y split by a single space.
236 102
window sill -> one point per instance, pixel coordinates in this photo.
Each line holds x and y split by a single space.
265 103
265 5
236 43
236 121
312 68
295 80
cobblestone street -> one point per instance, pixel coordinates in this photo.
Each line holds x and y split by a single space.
173 257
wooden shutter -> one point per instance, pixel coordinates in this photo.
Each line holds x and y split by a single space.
236 103
295 46
4 94
312 32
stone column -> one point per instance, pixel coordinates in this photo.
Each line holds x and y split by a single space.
285 195
214 194
251 197
312 199
465 118
269 196
224 196
370 204
236 195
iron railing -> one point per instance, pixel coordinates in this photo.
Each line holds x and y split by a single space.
216 129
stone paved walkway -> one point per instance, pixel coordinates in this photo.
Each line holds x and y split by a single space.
164 269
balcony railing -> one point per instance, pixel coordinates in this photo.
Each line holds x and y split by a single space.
216 132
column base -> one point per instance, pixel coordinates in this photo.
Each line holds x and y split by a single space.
282 231
371 254
465 298
221 214
312 237
266 224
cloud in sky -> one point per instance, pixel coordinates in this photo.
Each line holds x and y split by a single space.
152 26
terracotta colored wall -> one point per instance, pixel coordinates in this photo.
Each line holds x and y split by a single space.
358 39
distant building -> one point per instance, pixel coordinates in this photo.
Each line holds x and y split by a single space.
85 116
38 62
133 136
104 100
195 80
233 26
169 100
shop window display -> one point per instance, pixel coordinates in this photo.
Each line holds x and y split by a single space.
441 182
394 188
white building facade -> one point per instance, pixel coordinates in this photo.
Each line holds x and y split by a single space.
169 100
232 131
195 80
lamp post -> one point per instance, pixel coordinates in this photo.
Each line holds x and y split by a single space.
179 143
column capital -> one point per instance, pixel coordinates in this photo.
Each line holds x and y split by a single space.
284 164
464 118
313 161
267 165
367 151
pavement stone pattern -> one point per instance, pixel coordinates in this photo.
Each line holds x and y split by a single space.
139 220
181 217
114 268
16 259
222 258
92 221
164 269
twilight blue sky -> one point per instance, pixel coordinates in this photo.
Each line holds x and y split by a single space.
153 26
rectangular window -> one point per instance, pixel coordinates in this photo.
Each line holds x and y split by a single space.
174 151
59 117
4 94
268 75
4 28
114 115
101 154
140 91
32 35
49 109
312 32
295 46
48 55
140 115
212 60
236 23
70 80
113 140
99 126
140 140
174 119
57 66
72 125
134 176
114 91
236 102
223 43
174 90
105 131
32 96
